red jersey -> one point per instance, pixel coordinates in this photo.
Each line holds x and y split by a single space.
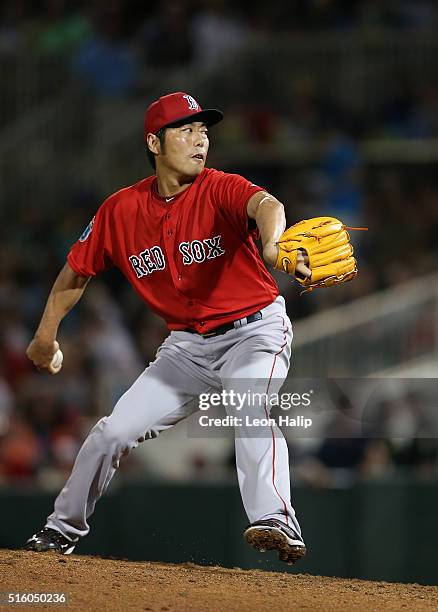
190 257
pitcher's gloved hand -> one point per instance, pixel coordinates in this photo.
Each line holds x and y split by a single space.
327 245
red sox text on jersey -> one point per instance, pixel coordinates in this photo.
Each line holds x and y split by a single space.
191 257
197 251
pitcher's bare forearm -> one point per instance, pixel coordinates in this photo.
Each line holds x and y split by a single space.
66 292
269 215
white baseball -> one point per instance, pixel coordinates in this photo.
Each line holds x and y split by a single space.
56 363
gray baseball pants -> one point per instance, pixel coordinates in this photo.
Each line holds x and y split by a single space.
250 357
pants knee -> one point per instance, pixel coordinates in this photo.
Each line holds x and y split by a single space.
111 435
118 440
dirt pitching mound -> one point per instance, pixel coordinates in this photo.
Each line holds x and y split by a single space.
92 583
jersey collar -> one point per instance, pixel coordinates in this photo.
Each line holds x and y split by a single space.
169 201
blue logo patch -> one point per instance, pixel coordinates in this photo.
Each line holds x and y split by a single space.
87 231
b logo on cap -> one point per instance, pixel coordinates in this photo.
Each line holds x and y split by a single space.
193 105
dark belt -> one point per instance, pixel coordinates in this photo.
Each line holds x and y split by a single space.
223 329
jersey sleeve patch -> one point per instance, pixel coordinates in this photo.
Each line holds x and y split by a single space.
87 231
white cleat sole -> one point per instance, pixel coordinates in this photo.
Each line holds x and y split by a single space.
271 538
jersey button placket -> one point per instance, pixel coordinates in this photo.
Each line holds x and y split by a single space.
169 241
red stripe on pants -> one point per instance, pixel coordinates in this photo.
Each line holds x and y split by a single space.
272 430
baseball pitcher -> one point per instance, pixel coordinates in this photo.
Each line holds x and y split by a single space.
185 240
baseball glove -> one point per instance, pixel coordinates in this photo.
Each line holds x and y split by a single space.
327 244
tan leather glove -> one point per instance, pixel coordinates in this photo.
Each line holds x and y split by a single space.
327 244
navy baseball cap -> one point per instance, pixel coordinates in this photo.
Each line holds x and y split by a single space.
175 108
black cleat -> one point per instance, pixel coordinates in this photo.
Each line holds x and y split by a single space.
49 539
272 534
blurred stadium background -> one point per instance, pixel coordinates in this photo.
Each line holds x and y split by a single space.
332 105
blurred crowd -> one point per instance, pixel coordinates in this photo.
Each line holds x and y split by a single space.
114 50
120 48
174 31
